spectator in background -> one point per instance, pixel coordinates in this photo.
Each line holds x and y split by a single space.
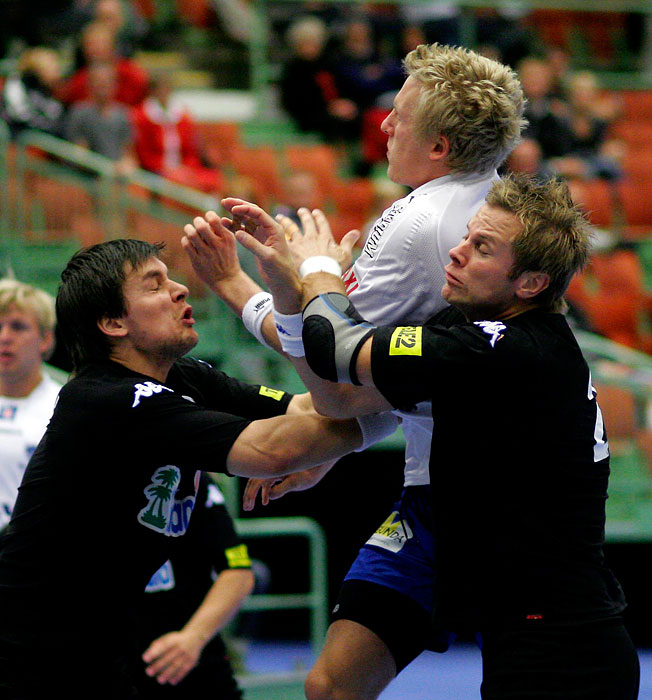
526 158
309 93
371 81
189 601
544 111
27 393
167 142
102 124
361 73
559 61
125 22
98 44
586 151
28 100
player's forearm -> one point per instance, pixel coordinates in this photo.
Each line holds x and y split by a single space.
236 290
286 444
320 283
221 604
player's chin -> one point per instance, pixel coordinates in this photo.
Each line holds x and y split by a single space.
189 342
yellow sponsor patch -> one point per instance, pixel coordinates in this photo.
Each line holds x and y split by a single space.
272 393
406 340
392 534
237 557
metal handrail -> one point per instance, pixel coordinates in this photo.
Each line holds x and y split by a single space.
316 599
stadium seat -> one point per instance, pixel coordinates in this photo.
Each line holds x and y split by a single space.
219 140
637 105
636 198
320 159
260 165
611 293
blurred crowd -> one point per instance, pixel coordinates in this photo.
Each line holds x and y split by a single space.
339 68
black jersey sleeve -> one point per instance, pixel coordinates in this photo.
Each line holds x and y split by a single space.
408 363
214 389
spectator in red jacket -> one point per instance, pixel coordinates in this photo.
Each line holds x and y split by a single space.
167 142
99 45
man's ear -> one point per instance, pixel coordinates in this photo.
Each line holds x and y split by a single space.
440 148
529 284
47 344
113 327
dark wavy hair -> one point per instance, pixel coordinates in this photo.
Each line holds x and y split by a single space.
92 288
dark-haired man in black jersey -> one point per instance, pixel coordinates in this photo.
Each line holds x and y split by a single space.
113 483
522 461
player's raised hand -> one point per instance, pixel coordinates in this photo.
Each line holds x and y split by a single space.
212 248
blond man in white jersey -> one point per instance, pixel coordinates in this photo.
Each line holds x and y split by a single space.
454 121
27 393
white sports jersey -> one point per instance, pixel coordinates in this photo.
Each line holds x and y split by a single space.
398 277
22 424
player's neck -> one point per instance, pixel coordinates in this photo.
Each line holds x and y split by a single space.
19 387
154 367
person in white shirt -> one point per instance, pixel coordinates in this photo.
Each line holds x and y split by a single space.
454 121
27 392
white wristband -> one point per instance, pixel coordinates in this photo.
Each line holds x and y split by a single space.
288 324
254 313
319 263
288 329
376 427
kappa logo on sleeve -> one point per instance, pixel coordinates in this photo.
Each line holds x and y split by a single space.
145 390
406 340
276 394
492 328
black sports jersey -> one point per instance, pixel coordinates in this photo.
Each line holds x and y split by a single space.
109 488
519 470
178 588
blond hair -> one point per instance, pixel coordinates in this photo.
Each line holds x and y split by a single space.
28 299
307 28
555 237
476 102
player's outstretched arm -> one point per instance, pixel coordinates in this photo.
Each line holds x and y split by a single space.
285 444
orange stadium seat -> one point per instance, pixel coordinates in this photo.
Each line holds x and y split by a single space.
352 200
260 166
319 159
637 104
611 293
636 132
637 164
595 198
219 140
636 200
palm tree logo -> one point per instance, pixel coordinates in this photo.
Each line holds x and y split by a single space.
156 514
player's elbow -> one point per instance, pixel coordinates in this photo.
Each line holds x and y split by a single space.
330 408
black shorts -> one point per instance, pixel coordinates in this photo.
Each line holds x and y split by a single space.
400 622
541 661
